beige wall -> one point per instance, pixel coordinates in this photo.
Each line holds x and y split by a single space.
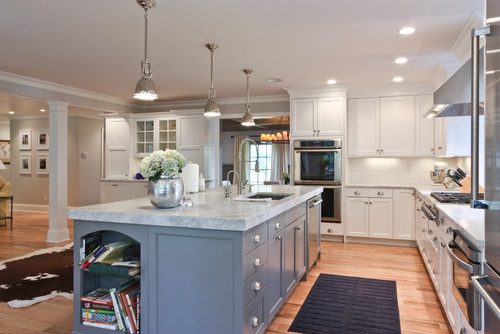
83 174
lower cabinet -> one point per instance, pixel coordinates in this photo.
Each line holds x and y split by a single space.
381 213
122 190
295 254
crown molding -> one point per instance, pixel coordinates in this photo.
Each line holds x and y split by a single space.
317 91
461 47
390 90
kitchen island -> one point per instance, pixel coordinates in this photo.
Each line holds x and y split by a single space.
220 266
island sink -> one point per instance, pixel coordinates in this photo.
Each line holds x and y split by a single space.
273 196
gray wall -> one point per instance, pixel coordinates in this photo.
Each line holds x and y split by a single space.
83 174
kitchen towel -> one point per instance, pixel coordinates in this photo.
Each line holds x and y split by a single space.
349 305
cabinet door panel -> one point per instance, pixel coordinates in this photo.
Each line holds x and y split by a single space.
397 126
303 117
424 136
330 116
404 214
357 216
275 267
300 247
289 273
363 127
380 213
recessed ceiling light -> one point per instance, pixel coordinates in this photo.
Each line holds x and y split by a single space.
42 110
397 79
273 80
11 112
407 31
401 60
331 82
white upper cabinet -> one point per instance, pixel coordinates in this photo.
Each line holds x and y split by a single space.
363 127
116 148
191 138
424 135
381 126
453 135
153 134
317 117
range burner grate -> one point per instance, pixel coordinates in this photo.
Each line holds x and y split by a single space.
454 197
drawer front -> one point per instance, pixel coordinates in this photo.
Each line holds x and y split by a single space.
254 260
332 229
369 192
295 213
276 224
254 316
254 238
255 284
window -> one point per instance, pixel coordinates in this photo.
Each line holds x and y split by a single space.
264 163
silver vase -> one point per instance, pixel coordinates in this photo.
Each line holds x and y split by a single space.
166 192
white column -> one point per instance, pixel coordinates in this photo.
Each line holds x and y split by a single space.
58 169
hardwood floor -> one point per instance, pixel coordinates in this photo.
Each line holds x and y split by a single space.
419 308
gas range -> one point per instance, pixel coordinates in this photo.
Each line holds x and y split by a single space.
454 197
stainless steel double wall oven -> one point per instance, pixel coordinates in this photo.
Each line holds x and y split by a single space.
319 162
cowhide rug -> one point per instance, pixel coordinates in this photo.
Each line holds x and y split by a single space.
38 276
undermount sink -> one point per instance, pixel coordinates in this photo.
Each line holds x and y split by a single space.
261 196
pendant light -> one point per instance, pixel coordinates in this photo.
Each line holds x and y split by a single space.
247 119
146 89
211 108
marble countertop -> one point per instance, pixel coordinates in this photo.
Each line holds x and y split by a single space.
423 187
211 210
468 221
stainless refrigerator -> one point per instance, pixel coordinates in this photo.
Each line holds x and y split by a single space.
488 285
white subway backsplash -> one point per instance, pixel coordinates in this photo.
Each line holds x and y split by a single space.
393 170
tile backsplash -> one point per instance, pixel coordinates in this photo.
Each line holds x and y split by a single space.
395 170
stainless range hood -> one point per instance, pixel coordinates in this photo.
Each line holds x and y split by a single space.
453 98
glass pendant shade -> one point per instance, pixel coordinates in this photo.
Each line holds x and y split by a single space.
211 108
247 119
145 90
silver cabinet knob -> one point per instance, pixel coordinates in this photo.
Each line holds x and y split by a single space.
463 330
256 238
449 230
257 286
440 148
380 193
432 149
254 321
435 271
429 261
423 230
357 192
256 262
276 226
278 238
435 239
381 150
430 231
443 244
330 230
418 209
298 228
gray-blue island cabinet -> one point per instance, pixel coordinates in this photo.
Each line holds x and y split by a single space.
222 280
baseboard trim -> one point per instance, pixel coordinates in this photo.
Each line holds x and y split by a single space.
377 241
38 208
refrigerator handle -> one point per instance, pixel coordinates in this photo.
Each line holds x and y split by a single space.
479 282
476 34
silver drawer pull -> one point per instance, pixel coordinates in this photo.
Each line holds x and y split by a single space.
254 321
443 245
357 192
256 238
276 226
257 286
278 238
256 262
429 260
435 271
435 239
330 230
298 228
380 193
449 230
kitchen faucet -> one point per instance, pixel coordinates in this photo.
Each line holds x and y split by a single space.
257 168
227 192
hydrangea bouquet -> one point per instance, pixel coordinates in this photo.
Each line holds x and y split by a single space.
169 163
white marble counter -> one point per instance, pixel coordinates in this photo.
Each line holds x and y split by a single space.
211 210
468 221
423 187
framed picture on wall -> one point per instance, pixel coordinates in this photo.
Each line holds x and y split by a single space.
24 163
42 163
25 139
5 151
42 139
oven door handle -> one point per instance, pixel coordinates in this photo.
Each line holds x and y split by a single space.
465 266
479 282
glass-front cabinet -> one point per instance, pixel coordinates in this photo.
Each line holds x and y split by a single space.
155 134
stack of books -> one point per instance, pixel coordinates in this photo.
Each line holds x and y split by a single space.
106 254
117 308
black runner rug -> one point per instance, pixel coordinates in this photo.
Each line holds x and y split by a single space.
349 305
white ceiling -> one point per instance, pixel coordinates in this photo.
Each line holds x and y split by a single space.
98 45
